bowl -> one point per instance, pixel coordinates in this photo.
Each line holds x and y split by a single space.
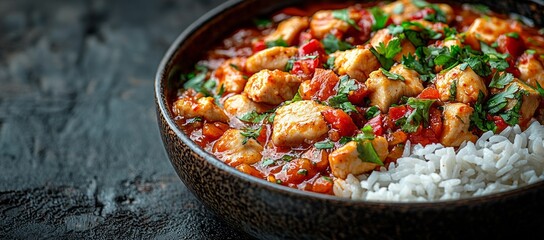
270 211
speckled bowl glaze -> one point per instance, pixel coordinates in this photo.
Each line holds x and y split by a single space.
270 211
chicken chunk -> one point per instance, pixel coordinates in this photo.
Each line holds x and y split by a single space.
288 30
456 124
384 91
299 122
413 85
487 30
271 59
531 70
466 85
272 87
529 102
323 22
383 36
203 107
230 148
405 10
357 63
230 75
345 160
239 105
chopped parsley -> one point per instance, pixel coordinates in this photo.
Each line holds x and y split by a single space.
539 89
262 22
276 43
326 144
392 76
296 98
302 172
512 116
371 112
343 14
340 100
530 51
250 133
479 8
380 18
254 117
234 66
367 134
453 91
330 63
500 100
437 16
367 153
501 80
333 44
418 116
479 116
385 54
196 79
513 35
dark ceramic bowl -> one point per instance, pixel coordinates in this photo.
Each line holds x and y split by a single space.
267 210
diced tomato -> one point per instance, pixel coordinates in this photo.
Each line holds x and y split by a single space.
305 68
263 135
395 113
424 137
293 11
322 84
340 121
436 121
322 185
213 131
358 96
513 46
310 48
259 46
499 121
429 93
297 171
365 23
377 125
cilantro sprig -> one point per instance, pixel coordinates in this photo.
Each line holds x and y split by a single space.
340 100
333 44
418 116
250 133
380 18
343 14
385 53
392 76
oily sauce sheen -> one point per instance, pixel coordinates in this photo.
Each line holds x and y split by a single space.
312 94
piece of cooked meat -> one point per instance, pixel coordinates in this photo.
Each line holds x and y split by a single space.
345 160
230 148
288 30
466 82
271 58
272 87
456 121
230 75
358 63
203 107
299 122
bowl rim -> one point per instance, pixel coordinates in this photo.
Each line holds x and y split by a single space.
160 80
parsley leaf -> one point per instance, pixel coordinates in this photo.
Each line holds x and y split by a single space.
513 35
380 18
333 44
392 76
262 22
340 100
326 144
501 80
296 98
478 117
267 162
499 101
253 117
367 134
512 116
385 54
196 79
372 112
367 153
276 43
453 91
330 63
250 133
437 16
539 89
343 14
419 114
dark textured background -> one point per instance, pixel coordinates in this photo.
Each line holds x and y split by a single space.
80 152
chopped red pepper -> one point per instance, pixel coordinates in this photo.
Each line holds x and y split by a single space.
340 121
259 46
377 125
499 121
429 93
395 113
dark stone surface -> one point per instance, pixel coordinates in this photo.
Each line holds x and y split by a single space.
80 152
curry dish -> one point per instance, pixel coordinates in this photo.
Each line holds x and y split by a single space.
314 94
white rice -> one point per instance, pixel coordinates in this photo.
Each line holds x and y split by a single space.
495 163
